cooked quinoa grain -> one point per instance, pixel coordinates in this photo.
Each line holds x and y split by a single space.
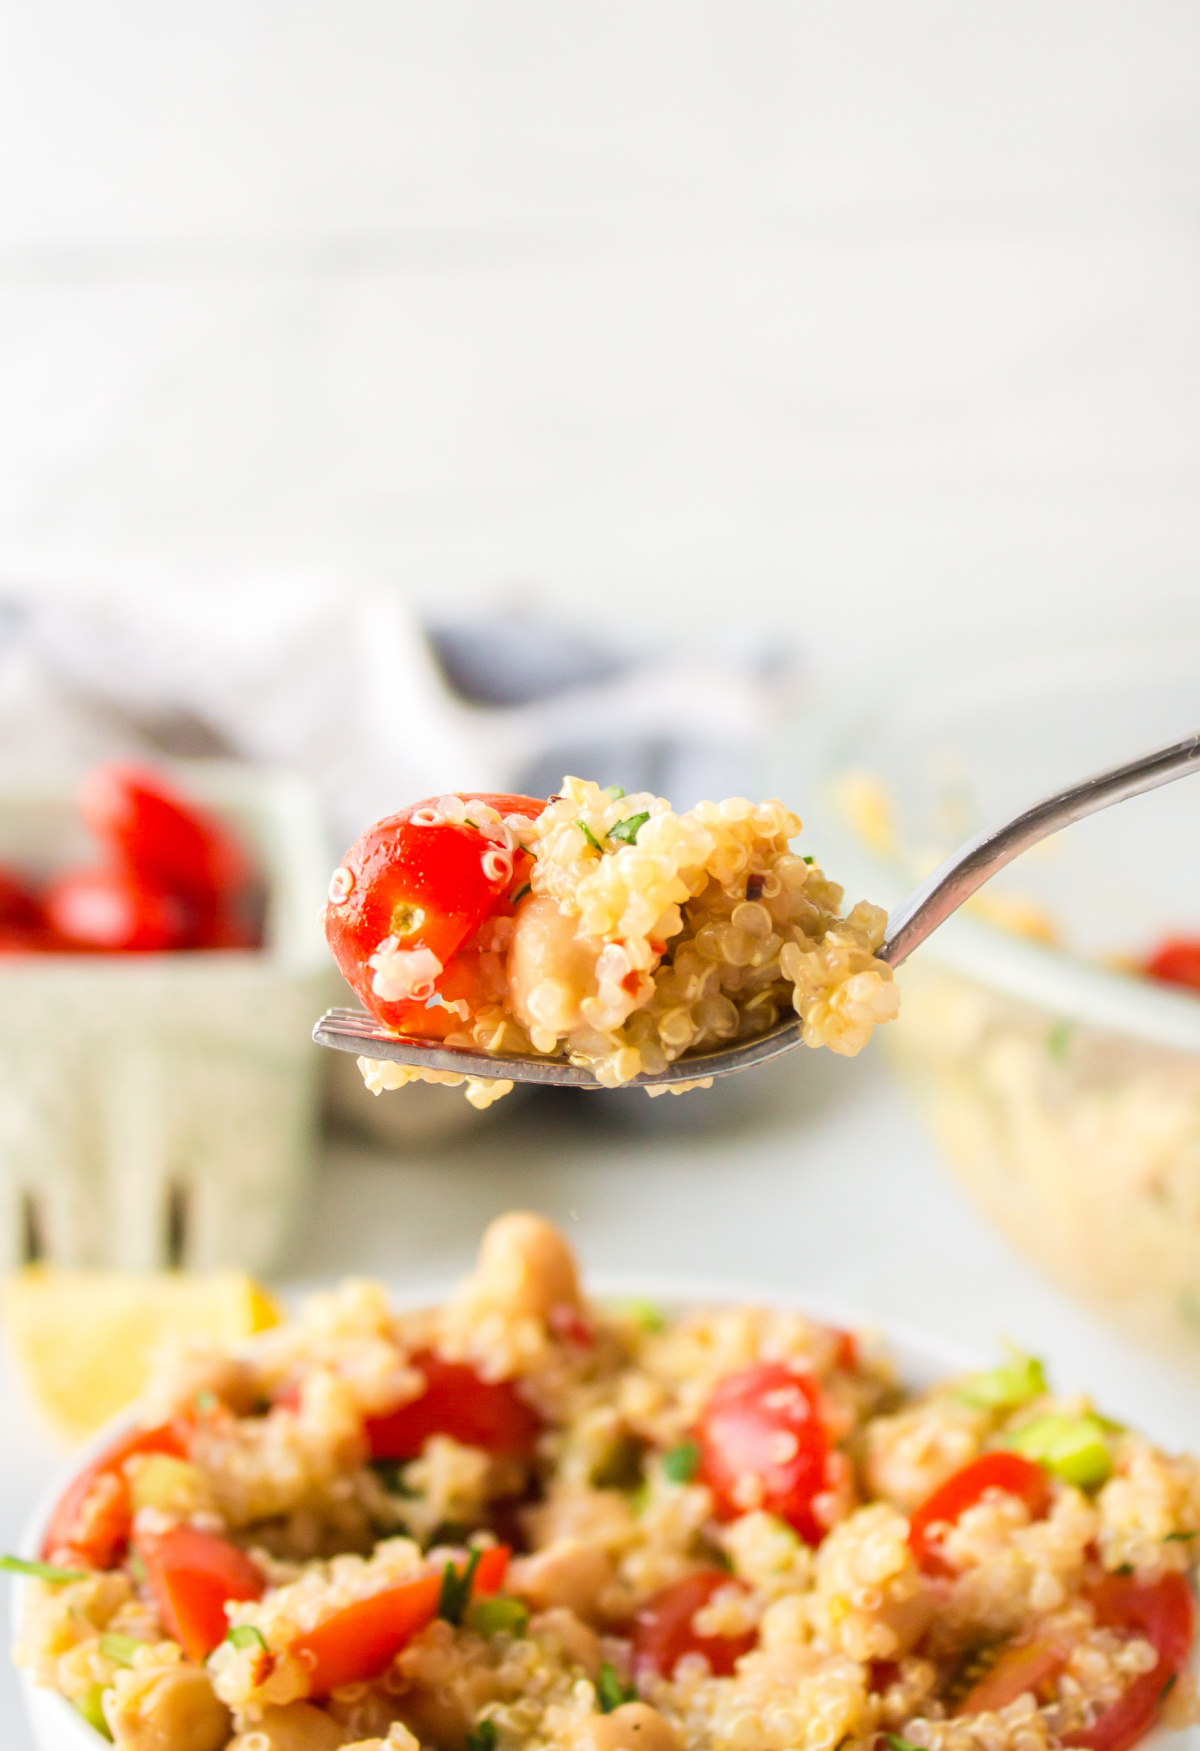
522 1519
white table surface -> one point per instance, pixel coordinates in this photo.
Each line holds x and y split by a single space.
814 1177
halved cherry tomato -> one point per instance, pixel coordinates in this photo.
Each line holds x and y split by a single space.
1164 1613
455 1402
1025 1667
94 1515
663 1630
420 887
1176 962
172 846
191 1575
765 1423
1001 1470
360 1641
114 910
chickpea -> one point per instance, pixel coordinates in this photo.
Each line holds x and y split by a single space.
525 1267
551 969
180 1711
567 1573
635 1726
295 1726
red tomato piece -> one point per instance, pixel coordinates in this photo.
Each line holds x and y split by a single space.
1164 1613
20 909
94 1516
664 1631
765 1423
191 1575
1009 1472
418 886
113 910
173 846
360 1641
1176 962
1025 1667
456 1402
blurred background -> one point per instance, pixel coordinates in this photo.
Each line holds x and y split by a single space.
714 398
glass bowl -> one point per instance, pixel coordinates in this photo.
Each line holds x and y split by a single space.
1063 1087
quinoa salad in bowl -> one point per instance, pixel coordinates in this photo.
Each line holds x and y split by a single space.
603 928
524 1518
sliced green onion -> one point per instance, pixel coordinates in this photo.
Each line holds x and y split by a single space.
120 1648
17 1565
484 1737
626 831
1073 1448
614 791
610 1692
679 1463
525 888
1013 1383
455 1595
498 1616
589 835
91 1708
244 1635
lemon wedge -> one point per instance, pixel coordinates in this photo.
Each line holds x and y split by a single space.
84 1338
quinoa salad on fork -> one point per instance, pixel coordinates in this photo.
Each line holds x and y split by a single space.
602 928
527 1520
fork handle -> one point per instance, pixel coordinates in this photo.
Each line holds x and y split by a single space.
979 859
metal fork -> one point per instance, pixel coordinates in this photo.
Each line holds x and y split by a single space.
353 1030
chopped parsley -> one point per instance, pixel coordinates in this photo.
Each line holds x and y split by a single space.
390 1473
17 1565
484 1737
498 1616
614 791
455 1595
244 1635
813 860
589 835
679 1463
626 832
610 1692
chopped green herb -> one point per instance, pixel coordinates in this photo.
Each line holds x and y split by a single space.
1073 1448
620 1466
17 1565
484 1737
1058 1039
896 1743
136 1567
206 1401
1167 1688
1178 1537
455 1595
615 791
679 1463
1013 1383
626 832
498 1616
1123 1569
120 1648
610 1692
244 1635
813 860
525 888
91 1708
589 835
390 1473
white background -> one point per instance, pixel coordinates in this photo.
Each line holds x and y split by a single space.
871 324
